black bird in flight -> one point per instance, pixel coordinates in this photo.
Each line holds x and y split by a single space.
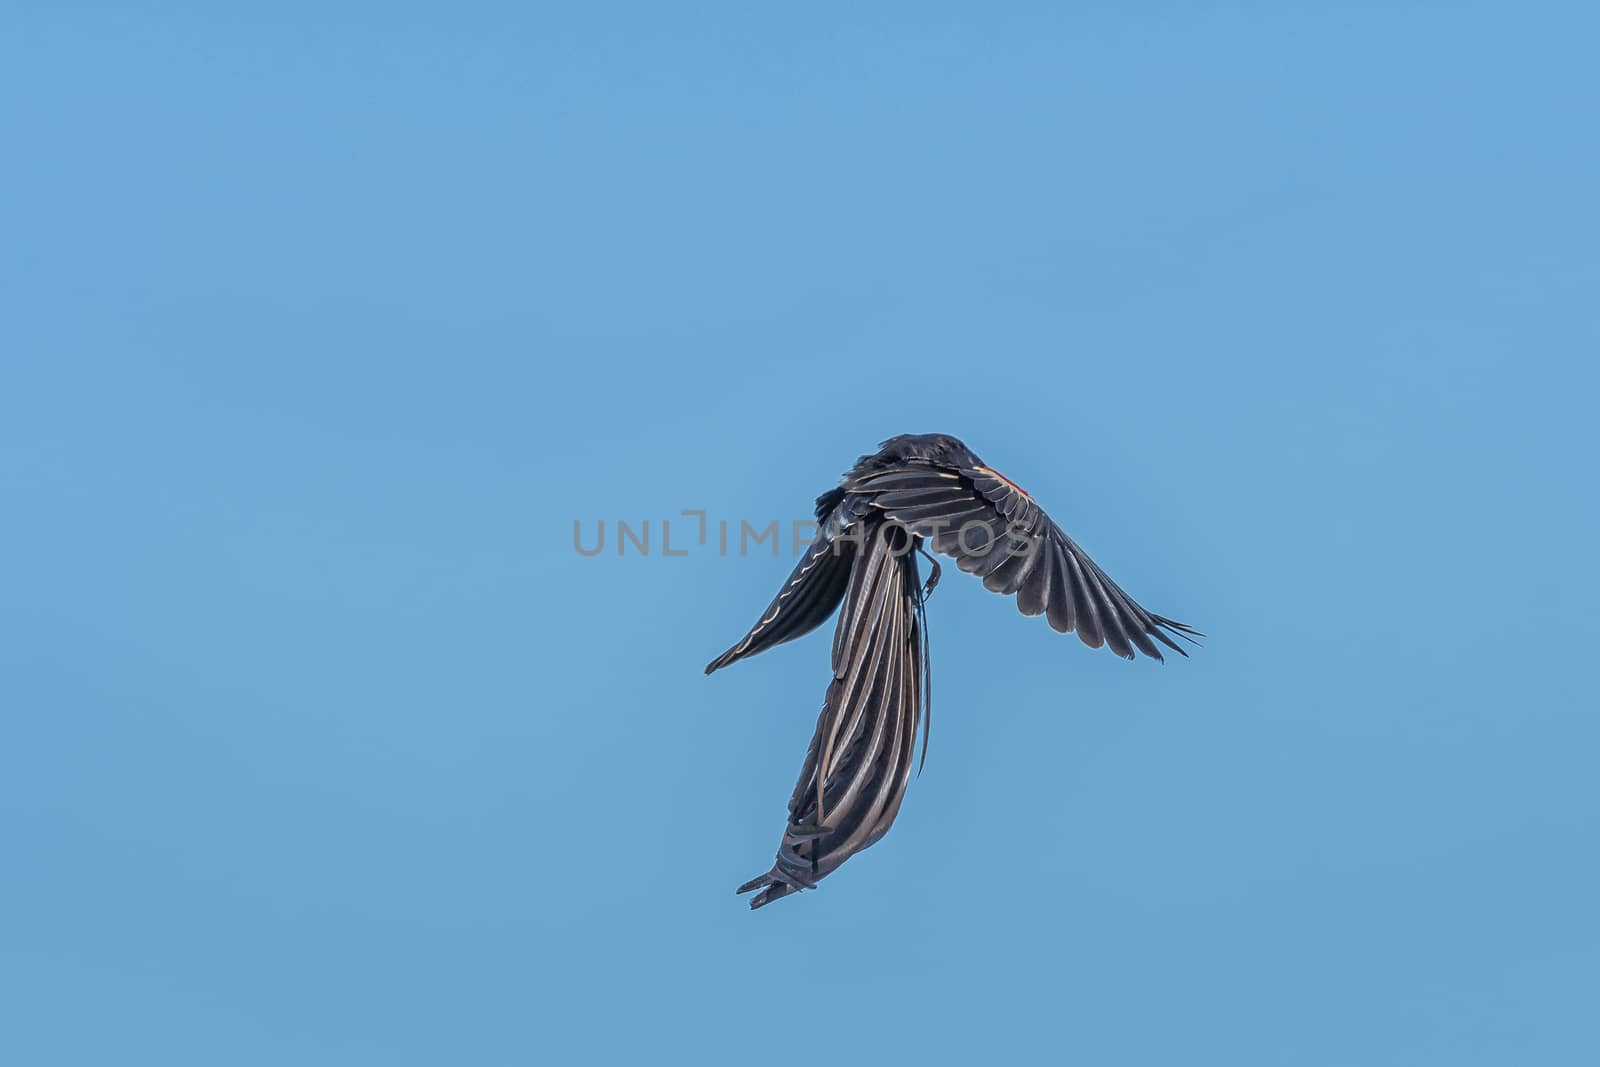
917 490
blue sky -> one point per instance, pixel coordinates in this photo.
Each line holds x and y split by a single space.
320 744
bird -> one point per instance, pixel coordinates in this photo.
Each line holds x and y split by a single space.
918 491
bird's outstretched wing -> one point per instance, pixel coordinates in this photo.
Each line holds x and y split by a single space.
993 529
859 762
813 590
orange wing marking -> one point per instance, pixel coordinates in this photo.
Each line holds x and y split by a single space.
1008 481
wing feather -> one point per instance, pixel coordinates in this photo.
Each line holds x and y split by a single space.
858 764
812 591
987 525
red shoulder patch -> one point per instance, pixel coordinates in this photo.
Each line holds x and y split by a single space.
1008 481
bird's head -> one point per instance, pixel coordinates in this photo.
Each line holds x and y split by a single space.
937 448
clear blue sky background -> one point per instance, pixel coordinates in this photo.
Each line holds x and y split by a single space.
322 746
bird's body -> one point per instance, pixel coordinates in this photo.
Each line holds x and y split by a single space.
917 490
